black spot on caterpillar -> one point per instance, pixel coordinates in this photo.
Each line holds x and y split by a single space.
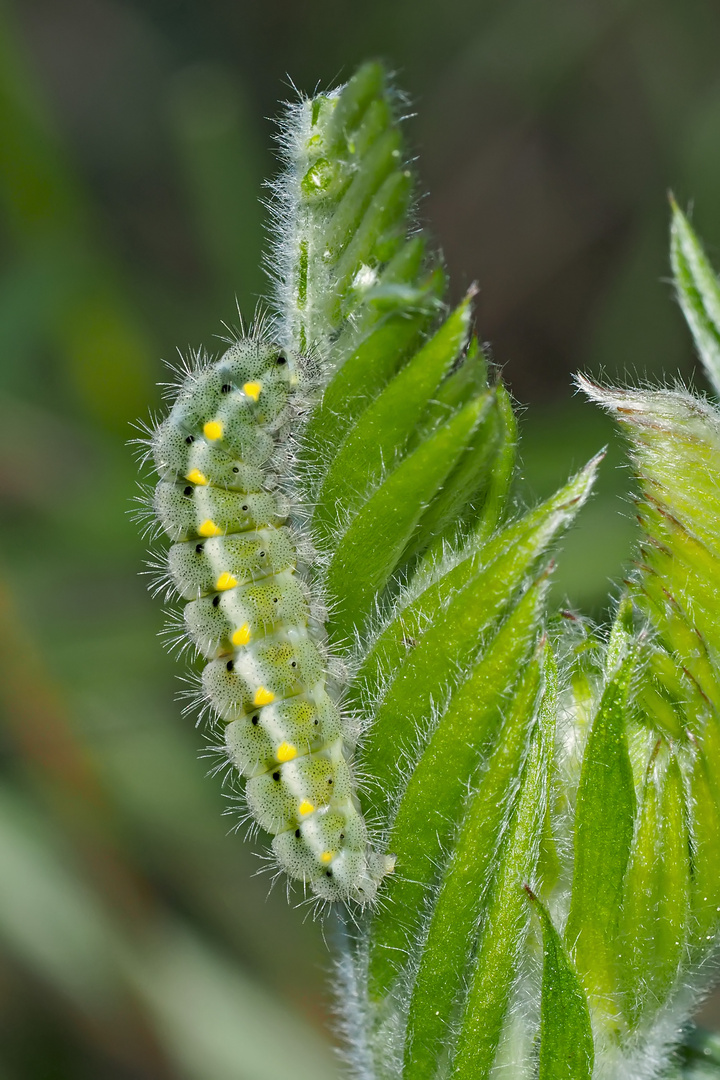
233 560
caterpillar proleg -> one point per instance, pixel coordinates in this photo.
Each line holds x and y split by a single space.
234 560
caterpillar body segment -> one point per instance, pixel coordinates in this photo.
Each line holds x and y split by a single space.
249 612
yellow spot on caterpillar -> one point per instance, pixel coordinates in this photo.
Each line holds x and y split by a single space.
286 751
242 635
305 808
263 696
213 430
209 528
252 389
196 477
326 857
225 581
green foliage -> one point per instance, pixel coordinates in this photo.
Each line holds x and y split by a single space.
610 818
566 1040
507 753
99 280
604 817
698 292
506 915
463 892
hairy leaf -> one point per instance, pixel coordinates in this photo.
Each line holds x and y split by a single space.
378 439
698 292
506 917
566 1039
433 799
368 553
657 889
603 834
426 636
451 933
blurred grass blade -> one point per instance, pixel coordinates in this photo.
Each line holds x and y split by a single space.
49 918
453 926
698 292
217 1023
603 835
105 347
220 157
432 803
203 1012
507 914
566 1040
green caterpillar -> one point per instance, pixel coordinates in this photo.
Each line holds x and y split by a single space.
222 456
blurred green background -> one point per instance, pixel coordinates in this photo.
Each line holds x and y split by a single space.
134 139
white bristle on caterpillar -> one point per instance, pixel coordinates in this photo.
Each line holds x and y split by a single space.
251 614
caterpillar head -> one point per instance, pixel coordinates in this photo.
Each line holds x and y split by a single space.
221 425
251 360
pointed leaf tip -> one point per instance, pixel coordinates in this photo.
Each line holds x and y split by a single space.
566 1041
698 292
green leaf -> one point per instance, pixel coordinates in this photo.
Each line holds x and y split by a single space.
603 835
466 382
403 286
566 1040
378 162
343 204
687 567
705 833
451 933
363 374
378 237
657 890
381 434
676 449
429 636
433 799
450 645
496 500
506 918
698 292
463 494
367 84
622 635
368 553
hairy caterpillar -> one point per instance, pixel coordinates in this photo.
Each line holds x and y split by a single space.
221 455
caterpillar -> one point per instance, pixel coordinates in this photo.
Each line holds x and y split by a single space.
241 566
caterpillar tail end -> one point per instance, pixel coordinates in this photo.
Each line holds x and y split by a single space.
378 867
